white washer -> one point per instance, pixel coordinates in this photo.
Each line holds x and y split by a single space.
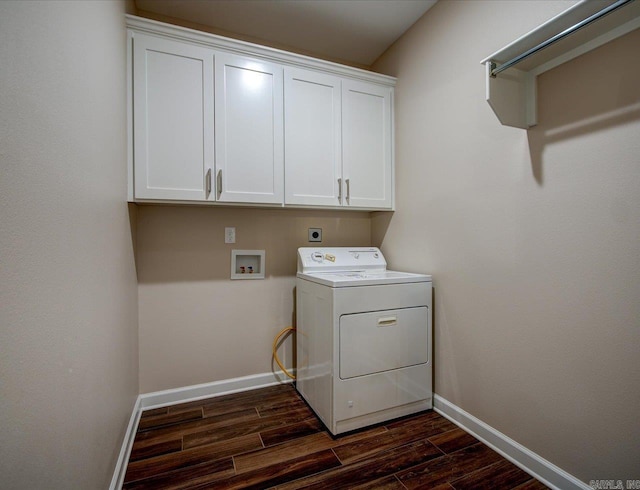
363 343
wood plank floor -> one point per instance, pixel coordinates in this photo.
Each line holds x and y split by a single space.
269 438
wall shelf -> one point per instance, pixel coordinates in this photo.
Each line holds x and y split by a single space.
512 92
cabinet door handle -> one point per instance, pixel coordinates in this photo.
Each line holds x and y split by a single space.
219 183
208 182
340 191
348 190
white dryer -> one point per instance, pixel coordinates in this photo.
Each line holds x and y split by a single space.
364 335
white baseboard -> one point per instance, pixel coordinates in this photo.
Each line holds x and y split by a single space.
125 450
185 394
206 390
535 465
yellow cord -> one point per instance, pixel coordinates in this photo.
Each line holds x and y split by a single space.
275 355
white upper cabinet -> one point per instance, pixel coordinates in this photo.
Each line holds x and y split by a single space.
172 95
219 121
367 145
249 130
313 159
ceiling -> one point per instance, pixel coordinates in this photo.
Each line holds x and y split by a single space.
355 31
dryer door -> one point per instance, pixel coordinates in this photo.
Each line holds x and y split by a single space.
382 341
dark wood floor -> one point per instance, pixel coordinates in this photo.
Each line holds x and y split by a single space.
269 438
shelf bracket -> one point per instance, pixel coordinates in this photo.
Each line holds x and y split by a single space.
512 97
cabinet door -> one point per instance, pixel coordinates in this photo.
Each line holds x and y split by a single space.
312 151
249 130
367 145
173 119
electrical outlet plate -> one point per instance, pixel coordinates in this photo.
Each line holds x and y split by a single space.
230 234
315 234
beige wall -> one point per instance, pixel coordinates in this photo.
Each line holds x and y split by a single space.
532 237
68 336
197 325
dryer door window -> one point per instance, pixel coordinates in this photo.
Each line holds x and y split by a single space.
382 341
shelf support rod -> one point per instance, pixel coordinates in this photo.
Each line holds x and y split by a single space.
508 64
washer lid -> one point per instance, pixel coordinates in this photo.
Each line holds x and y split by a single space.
362 278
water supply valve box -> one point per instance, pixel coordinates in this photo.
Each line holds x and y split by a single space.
247 264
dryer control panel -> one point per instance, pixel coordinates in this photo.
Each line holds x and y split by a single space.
332 259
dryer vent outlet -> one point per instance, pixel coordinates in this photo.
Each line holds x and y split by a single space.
315 234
